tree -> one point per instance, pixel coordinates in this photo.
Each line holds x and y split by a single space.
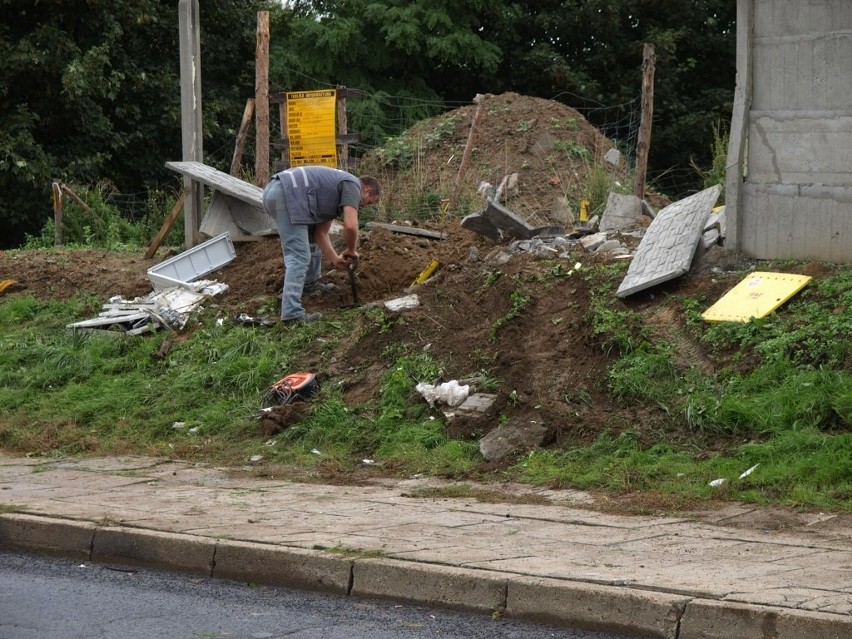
589 52
421 54
90 91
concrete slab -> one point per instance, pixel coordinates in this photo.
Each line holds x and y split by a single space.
669 243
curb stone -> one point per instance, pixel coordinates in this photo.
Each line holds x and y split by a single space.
637 612
706 619
655 615
430 584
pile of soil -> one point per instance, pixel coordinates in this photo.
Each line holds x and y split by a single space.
551 150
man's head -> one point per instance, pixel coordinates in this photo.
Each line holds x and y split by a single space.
371 190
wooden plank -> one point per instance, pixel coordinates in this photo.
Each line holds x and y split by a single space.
58 235
408 230
342 129
221 181
240 145
643 144
167 224
479 99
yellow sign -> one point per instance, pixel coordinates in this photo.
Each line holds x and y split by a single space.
756 296
310 127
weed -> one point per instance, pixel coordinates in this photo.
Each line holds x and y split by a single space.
491 279
573 149
519 302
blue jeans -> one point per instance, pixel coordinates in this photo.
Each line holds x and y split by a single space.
302 258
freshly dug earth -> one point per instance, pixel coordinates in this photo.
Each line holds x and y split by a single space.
545 363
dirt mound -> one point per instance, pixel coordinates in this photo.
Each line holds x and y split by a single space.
556 155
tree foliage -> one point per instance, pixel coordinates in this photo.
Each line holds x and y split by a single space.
90 90
588 53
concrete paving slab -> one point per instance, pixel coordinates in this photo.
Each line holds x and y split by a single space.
669 243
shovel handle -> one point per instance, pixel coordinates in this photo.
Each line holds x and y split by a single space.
353 282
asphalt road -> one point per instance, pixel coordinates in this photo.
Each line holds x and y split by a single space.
56 598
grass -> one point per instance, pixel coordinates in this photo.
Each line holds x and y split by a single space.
780 399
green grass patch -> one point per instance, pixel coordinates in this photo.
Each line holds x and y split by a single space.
780 398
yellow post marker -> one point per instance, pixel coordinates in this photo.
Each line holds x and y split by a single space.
584 210
426 273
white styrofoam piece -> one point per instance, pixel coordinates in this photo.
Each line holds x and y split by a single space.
193 263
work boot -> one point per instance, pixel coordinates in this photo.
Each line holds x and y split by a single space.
317 288
307 317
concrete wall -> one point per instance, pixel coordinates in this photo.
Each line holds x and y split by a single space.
791 131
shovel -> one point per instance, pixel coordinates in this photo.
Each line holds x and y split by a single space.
353 282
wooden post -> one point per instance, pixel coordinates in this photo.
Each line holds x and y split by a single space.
282 117
240 146
58 236
190 107
479 99
643 145
342 130
261 91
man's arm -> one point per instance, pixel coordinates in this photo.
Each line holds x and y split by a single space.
341 262
350 231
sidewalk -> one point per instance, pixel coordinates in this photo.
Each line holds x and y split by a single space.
677 578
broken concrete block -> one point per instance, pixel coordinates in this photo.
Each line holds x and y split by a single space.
552 230
592 242
476 403
478 223
506 221
498 257
609 245
518 434
622 212
613 156
562 213
714 230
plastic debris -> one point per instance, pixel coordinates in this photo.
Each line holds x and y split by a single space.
450 393
749 471
255 458
315 451
407 303
717 482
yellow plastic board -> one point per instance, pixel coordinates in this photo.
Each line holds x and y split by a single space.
756 296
